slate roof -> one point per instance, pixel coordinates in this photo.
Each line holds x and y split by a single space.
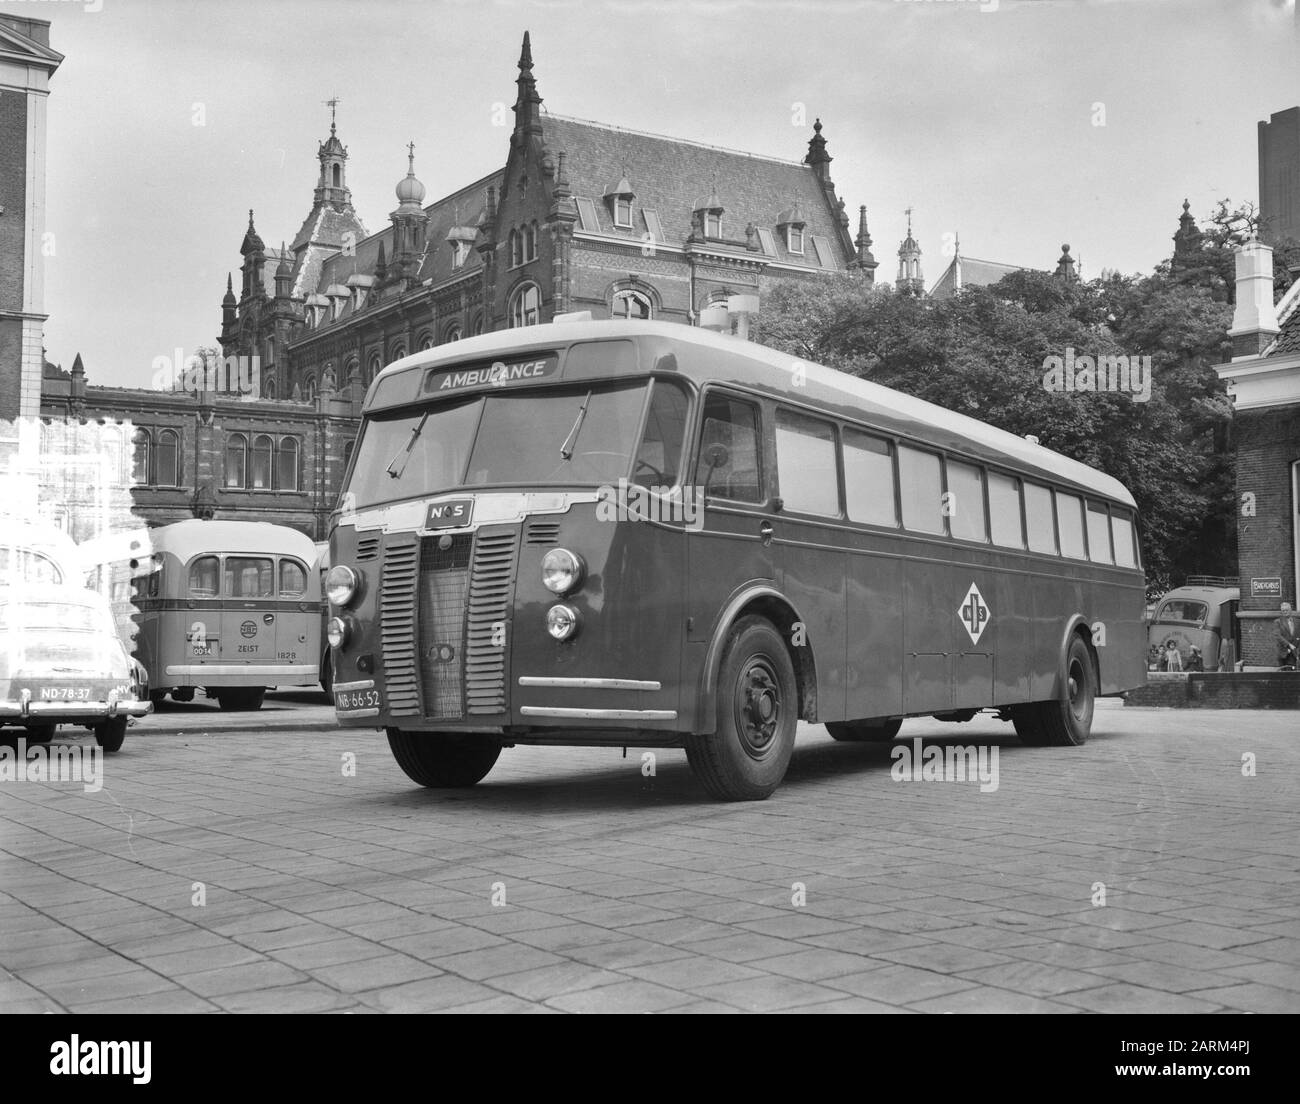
1287 341
322 232
974 273
670 176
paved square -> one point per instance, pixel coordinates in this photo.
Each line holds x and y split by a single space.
232 863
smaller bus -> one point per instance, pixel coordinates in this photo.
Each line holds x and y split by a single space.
229 607
1199 620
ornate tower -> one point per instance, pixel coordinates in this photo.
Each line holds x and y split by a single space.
409 223
1065 268
865 260
1187 243
332 187
910 281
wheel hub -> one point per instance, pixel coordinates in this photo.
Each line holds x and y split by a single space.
758 706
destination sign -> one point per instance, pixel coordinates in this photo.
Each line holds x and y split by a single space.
499 373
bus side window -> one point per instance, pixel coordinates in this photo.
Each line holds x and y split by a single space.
805 464
1069 517
1038 519
966 502
205 573
249 577
734 472
921 484
869 479
1004 510
1098 534
293 579
660 453
1121 526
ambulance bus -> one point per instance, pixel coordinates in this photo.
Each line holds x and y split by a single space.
632 533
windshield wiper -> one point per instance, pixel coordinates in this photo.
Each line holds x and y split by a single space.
393 469
566 449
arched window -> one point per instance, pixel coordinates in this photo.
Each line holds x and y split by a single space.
140 442
516 249
530 242
338 175
477 327
309 387
237 461
268 386
286 465
373 367
526 306
426 341
348 446
399 351
167 454
261 467
631 304
453 332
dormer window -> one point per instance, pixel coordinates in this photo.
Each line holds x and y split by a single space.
459 251
791 224
619 198
708 211
461 239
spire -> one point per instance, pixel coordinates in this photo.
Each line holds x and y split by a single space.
1188 242
865 260
528 103
910 280
283 275
381 264
251 243
332 187
410 192
817 156
228 300
1065 266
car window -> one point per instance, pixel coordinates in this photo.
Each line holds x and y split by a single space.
205 573
249 577
293 579
1183 611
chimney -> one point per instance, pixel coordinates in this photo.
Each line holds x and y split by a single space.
1254 322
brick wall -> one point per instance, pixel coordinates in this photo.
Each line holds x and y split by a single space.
13 196
1242 690
1268 442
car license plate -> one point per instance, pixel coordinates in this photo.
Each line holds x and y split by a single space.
347 700
65 693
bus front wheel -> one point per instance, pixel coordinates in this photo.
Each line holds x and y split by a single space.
1067 721
852 732
241 698
442 760
758 705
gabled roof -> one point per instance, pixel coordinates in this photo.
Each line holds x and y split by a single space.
17 46
321 235
1288 316
668 175
974 273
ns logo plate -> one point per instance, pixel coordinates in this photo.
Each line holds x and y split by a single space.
974 613
449 514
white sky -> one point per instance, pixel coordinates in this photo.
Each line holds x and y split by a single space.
982 121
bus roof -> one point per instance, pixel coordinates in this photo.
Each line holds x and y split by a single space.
704 356
186 539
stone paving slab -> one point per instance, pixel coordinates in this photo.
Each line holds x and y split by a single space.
569 882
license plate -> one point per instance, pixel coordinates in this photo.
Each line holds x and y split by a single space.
346 700
65 693
201 650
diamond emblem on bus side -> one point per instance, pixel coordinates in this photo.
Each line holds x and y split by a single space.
974 613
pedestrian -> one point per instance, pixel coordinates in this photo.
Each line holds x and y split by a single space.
1173 660
1195 662
1288 637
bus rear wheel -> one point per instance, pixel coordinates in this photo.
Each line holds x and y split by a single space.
758 704
111 733
443 760
854 732
1067 721
241 698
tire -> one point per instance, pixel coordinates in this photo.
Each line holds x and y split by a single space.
1067 721
327 673
855 732
443 760
157 697
40 734
758 705
110 734
240 699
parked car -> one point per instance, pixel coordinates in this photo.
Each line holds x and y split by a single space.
62 663
1201 615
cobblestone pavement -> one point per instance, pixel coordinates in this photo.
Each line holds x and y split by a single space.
569 881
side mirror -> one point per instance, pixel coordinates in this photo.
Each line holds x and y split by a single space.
717 455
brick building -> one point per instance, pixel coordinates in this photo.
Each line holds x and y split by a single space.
1279 175
582 216
1263 377
26 65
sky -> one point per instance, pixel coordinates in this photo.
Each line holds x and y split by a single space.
1015 125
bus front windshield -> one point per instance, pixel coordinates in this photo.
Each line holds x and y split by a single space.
582 436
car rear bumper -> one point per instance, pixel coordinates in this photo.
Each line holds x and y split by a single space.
53 712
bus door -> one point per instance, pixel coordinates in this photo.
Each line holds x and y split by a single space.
735 543
291 623
247 623
929 591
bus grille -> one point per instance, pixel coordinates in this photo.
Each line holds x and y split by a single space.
444 580
490 594
397 625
